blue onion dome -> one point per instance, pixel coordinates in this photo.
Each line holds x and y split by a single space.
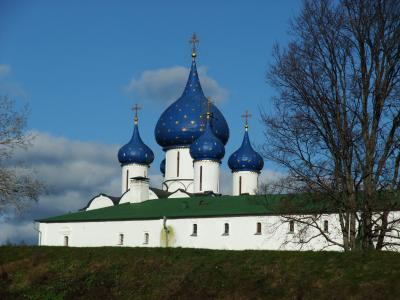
162 167
135 151
207 146
245 158
184 120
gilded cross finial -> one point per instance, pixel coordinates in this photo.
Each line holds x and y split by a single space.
246 117
209 103
136 108
194 41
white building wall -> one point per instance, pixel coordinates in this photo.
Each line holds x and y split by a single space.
132 170
242 235
209 180
249 183
178 177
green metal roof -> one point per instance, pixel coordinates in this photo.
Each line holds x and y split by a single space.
206 206
192 207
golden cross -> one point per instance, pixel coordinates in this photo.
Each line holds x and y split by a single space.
209 103
246 116
194 41
136 108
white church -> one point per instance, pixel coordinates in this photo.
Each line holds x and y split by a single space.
188 211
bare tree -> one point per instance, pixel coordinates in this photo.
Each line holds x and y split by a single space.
17 183
336 122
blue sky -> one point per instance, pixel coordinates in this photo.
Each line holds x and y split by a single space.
81 65
74 59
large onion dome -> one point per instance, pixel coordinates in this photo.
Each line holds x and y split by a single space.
207 146
135 151
162 167
184 120
245 158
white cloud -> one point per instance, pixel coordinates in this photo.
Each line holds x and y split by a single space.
5 70
166 85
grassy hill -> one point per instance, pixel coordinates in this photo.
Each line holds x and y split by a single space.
142 273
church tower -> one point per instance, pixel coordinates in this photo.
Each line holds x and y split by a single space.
135 158
246 165
207 152
181 124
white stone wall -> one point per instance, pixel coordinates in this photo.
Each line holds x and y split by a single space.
249 182
242 235
184 180
132 170
210 176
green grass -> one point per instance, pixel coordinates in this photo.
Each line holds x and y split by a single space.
143 273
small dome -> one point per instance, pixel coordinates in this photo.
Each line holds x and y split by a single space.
207 146
183 121
245 158
135 151
162 167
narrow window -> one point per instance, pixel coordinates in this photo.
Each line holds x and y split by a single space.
326 226
66 241
240 185
146 238
127 179
194 233
291 226
226 229
201 178
258 228
121 239
177 164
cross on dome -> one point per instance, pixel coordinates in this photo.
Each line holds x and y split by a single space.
136 108
209 103
246 117
194 41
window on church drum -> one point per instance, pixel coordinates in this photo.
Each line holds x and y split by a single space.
226 229
121 239
177 163
258 228
240 185
66 240
201 178
127 179
146 238
194 233
326 226
291 226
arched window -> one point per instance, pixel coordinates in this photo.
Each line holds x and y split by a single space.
194 233
177 163
121 239
201 178
226 229
240 185
146 238
127 179
66 241
258 229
